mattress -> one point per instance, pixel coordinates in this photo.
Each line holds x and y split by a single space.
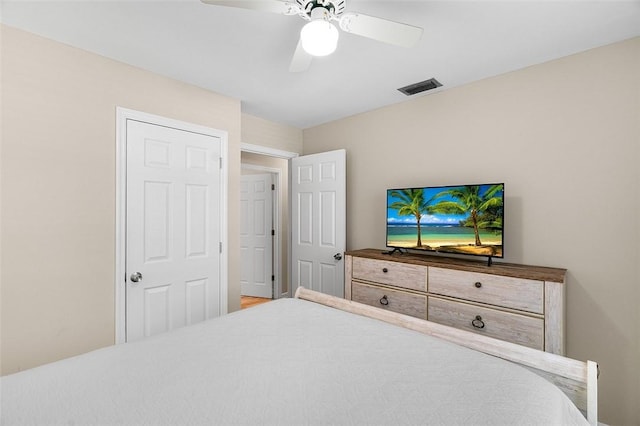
288 362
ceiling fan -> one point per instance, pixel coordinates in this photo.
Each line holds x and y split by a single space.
319 37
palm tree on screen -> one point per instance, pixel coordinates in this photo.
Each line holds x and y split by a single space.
411 203
484 209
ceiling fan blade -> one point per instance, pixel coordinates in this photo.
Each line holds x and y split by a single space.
301 60
273 6
380 29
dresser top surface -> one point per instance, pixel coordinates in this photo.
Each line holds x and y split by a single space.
541 273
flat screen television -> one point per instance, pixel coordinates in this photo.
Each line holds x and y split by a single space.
458 219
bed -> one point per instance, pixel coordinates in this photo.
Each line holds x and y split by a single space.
314 359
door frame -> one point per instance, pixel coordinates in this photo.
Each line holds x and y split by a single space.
275 216
122 115
287 155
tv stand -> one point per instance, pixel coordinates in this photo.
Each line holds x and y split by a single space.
489 260
522 304
395 249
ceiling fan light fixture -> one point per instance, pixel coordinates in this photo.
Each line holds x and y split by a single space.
319 37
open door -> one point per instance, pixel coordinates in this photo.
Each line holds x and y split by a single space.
318 222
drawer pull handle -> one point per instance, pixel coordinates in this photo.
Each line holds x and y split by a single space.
478 284
384 301
477 322
385 270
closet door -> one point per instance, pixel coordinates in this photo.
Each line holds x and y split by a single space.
172 228
256 235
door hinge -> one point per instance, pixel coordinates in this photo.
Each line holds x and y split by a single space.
273 277
220 246
273 232
273 186
220 163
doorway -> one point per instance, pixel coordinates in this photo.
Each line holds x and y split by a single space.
262 160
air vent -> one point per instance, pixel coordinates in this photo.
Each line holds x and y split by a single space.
415 88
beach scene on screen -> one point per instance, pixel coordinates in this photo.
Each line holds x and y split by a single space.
466 219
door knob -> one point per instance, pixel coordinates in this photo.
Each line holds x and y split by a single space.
337 256
136 277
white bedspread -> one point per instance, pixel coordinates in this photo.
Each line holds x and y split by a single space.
289 362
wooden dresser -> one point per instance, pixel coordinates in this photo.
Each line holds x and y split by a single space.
517 303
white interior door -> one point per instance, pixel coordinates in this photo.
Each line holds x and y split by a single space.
256 235
318 221
172 228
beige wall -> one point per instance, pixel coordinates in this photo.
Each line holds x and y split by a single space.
564 136
258 131
282 165
58 190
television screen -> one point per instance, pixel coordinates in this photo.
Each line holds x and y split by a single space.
461 219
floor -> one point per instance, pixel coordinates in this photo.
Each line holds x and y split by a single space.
249 301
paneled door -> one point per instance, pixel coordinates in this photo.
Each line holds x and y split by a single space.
172 228
318 221
256 235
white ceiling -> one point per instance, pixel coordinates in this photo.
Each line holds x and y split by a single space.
245 54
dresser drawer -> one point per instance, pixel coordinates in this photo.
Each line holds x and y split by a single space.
516 328
397 274
401 302
508 292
